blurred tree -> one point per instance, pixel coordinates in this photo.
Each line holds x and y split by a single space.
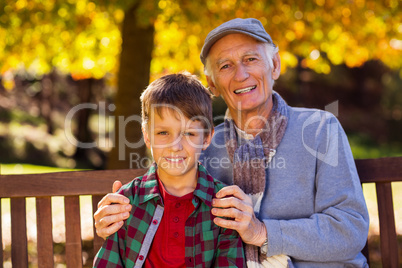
134 75
155 37
75 37
83 38
319 32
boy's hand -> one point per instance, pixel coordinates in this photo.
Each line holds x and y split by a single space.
112 210
233 203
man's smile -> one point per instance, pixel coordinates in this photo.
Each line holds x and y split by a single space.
244 90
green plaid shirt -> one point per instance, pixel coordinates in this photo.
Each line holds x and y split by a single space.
206 244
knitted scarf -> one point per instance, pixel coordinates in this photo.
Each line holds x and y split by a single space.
249 162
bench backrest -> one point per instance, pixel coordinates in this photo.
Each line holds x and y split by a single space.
382 172
71 185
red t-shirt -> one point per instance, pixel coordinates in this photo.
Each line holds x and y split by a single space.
167 249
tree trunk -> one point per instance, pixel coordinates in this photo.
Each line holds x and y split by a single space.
46 101
134 74
83 133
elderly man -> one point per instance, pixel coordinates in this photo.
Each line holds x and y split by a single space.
294 186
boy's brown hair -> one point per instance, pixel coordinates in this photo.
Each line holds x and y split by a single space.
182 91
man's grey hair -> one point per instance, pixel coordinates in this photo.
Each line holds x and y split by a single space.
270 51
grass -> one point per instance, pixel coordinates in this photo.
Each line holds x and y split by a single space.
364 147
29 169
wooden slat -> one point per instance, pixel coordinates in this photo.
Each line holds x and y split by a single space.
44 232
380 170
19 249
98 241
388 239
97 182
73 232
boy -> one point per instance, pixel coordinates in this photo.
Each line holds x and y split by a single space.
171 224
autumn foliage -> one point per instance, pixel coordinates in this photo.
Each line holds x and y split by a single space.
84 38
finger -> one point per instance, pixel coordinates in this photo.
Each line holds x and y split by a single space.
116 186
233 190
232 202
111 229
232 213
113 198
109 215
253 233
230 224
114 209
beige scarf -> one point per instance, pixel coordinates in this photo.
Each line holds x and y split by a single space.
250 160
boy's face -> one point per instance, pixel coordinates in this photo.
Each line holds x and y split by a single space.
176 143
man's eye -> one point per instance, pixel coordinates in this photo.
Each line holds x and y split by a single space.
251 59
162 133
188 134
225 66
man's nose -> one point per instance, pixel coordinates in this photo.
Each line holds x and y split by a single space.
241 73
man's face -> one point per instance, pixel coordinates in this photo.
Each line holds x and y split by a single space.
176 143
241 73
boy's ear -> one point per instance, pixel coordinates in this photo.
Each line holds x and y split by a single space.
146 137
208 139
212 87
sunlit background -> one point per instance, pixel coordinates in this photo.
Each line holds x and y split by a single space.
55 55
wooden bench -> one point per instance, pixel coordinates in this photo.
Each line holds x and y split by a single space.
71 185
382 172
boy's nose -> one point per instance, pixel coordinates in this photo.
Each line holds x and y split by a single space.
177 144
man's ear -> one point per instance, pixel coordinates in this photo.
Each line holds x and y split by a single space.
276 70
208 139
146 137
211 86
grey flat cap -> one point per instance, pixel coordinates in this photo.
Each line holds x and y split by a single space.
251 27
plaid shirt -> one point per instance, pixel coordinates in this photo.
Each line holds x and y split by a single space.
206 244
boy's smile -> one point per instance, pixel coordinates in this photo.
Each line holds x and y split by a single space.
176 143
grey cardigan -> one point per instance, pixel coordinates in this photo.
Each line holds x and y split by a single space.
313 205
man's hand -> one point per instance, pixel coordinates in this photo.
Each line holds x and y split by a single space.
233 203
112 210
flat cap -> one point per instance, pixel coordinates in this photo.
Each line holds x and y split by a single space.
250 26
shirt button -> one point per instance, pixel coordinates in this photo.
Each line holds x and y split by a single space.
155 222
177 205
176 234
176 219
141 257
